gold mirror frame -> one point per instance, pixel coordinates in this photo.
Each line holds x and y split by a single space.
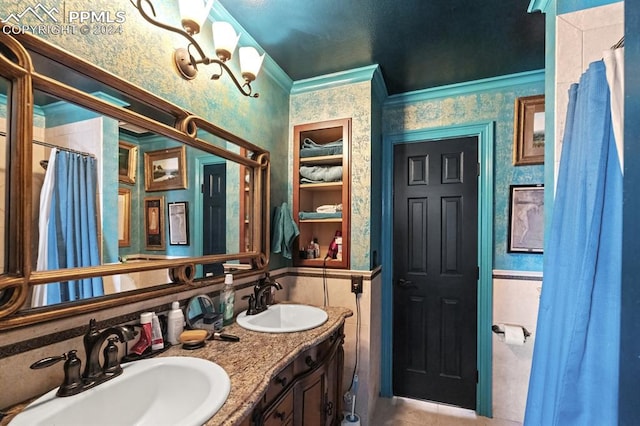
20 276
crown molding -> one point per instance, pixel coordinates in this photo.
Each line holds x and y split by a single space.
458 89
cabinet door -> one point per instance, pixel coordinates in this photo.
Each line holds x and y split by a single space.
310 399
332 404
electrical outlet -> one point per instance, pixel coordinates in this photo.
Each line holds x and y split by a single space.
356 284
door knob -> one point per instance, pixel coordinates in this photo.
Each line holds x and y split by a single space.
405 283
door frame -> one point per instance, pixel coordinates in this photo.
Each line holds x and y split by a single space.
484 131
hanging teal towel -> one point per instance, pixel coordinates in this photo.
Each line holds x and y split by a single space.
284 231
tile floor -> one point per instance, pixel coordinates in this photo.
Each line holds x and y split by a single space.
408 412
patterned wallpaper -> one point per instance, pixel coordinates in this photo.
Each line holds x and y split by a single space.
142 54
497 106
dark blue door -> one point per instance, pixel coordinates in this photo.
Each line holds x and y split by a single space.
214 215
435 270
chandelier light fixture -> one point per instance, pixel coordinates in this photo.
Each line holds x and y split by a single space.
193 14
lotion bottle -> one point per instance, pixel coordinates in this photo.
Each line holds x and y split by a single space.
157 343
229 298
145 335
175 323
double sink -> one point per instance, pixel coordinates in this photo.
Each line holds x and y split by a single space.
164 390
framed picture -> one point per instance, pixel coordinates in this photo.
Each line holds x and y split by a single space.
178 223
124 217
528 128
127 162
526 219
165 169
154 223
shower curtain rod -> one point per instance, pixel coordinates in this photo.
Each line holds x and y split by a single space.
61 148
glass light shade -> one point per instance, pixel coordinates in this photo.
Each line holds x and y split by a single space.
225 39
194 13
250 62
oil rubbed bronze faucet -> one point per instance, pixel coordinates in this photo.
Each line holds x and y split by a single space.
93 341
94 373
260 300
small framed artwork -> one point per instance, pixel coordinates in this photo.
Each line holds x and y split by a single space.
165 169
178 223
127 162
124 217
526 219
528 129
154 223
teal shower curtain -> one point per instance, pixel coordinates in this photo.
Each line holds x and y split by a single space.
574 375
73 226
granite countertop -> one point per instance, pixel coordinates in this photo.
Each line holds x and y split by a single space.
250 363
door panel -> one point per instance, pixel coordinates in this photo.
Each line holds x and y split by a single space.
435 270
214 215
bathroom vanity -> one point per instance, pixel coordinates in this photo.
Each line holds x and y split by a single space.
276 378
286 378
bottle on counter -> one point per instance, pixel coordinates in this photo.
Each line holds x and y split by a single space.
316 248
228 297
145 334
157 341
175 323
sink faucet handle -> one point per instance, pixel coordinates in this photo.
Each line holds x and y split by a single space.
47 362
251 310
72 383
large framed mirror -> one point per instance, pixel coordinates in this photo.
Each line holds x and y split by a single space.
192 196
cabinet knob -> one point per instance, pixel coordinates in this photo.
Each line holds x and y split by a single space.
328 409
280 415
281 381
310 362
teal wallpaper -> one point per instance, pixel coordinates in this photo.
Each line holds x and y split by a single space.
471 106
135 50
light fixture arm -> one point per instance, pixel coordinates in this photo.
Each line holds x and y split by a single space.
247 84
183 33
186 63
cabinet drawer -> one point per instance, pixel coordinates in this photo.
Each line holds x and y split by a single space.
278 384
312 357
281 414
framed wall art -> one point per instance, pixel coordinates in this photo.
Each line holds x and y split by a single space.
526 219
154 223
165 169
127 162
528 128
124 217
178 223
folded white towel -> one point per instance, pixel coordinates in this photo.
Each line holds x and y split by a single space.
329 208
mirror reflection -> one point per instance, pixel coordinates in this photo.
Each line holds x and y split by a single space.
200 313
105 192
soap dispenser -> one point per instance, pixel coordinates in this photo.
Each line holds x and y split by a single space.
228 297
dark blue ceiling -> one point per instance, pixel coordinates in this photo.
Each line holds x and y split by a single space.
418 44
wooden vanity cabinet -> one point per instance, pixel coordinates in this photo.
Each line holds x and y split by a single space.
308 390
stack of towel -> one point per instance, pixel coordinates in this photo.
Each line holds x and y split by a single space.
327 211
310 148
317 174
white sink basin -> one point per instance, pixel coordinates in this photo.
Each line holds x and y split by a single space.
158 391
283 318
